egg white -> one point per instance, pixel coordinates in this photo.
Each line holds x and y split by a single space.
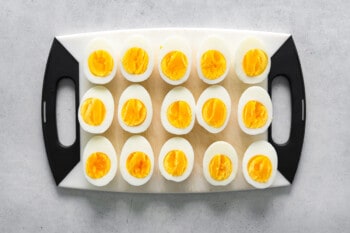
103 94
218 92
258 94
260 148
136 91
100 144
220 147
246 45
133 144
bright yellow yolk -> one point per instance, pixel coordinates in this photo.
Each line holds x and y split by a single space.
93 111
175 162
134 112
138 164
174 65
254 62
214 112
179 114
135 61
213 64
254 115
100 63
98 165
220 167
260 168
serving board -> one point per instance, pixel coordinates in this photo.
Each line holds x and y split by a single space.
65 61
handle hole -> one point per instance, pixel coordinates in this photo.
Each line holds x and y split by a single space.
65 112
282 115
44 112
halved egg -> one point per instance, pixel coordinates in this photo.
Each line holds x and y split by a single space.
99 161
254 110
213 60
178 111
214 109
135 109
137 59
253 62
96 110
259 164
137 161
100 64
220 163
176 159
175 60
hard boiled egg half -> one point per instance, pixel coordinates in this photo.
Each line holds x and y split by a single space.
178 111
100 161
259 164
96 110
135 109
220 163
137 161
254 110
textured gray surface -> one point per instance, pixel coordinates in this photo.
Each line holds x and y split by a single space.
317 201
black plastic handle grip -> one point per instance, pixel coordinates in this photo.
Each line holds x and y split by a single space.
61 64
285 62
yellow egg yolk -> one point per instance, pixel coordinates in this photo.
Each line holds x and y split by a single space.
135 61
220 167
214 112
174 65
138 164
98 165
100 63
134 112
254 62
213 64
179 114
93 111
260 168
254 115
175 162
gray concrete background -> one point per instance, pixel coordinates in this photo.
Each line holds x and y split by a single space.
316 202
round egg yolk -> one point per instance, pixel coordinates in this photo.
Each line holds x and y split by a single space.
93 111
179 114
135 61
260 168
213 64
97 165
254 62
138 164
134 112
174 65
175 162
214 112
254 115
220 167
100 63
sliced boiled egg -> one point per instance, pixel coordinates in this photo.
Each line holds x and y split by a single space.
135 109
259 164
100 64
137 161
96 110
253 62
220 163
214 109
176 159
213 60
178 111
137 59
254 110
175 60
100 161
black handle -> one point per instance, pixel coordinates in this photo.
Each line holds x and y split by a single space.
285 62
61 64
